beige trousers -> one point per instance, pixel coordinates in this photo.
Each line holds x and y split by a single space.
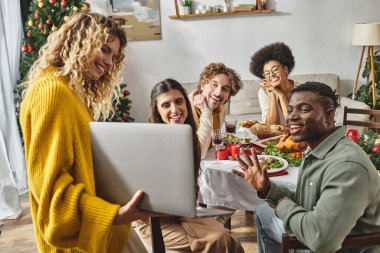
134 244
185 235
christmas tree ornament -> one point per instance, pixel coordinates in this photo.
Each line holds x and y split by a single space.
29 49
48 21
40 4
84 7
40 26
30 23
126 93
63 3
54 28
37 15
75 8
46 33
28 34
52 1
23 48
124 117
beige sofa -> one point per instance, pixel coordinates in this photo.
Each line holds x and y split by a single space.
245 105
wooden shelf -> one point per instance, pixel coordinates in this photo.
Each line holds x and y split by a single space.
210 14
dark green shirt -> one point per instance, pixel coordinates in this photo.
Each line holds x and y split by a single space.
338 193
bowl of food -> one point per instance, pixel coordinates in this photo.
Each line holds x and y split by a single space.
262 130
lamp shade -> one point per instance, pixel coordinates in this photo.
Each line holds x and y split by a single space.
366 34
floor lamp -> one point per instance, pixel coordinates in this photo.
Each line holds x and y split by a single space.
366 35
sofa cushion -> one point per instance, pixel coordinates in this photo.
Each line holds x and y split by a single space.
331 80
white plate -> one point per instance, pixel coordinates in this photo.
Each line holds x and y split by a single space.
243 133
284 167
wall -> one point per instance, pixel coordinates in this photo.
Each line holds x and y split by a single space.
318 31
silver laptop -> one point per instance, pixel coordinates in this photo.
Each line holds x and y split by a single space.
155 158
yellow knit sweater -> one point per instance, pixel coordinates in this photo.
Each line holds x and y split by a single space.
67 215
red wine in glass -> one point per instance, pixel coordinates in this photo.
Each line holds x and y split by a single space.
217 142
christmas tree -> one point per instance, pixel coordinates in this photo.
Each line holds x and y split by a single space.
46 16
121 109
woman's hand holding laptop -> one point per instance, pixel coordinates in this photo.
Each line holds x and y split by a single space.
130 212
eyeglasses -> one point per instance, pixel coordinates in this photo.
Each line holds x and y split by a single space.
273 70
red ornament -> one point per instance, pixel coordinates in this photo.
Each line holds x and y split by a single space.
124 116
63 3
126 93
52 1
28 34
48 21
46 33
24 48
353 134
40 26
29 49
37 15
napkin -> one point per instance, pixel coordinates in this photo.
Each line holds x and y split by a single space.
280 173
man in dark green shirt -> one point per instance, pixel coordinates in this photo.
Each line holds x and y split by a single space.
338 188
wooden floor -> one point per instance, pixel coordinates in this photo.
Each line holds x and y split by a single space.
17 236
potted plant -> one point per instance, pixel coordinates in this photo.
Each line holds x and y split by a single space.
186 6
364 93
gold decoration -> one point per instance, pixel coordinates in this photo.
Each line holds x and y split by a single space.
54 28
30 23
75 8
84 7
40 4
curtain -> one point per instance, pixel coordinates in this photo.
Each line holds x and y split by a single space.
13 178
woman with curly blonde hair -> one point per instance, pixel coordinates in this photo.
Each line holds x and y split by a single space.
70 85
217 83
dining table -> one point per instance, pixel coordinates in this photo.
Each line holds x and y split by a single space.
220 187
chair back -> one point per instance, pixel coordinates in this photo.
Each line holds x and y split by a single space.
369 124
350 242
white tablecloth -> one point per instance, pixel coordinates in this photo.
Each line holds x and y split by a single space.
220 187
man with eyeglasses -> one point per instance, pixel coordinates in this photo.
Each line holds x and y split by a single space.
273 63
216 85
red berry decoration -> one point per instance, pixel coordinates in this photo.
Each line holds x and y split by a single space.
63 3
52 1
30 49
40 26
126 93
48 21
124 116
37 15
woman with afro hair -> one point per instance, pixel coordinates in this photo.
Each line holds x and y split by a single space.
273 63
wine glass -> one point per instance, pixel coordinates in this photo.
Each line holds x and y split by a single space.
217 142
230 128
